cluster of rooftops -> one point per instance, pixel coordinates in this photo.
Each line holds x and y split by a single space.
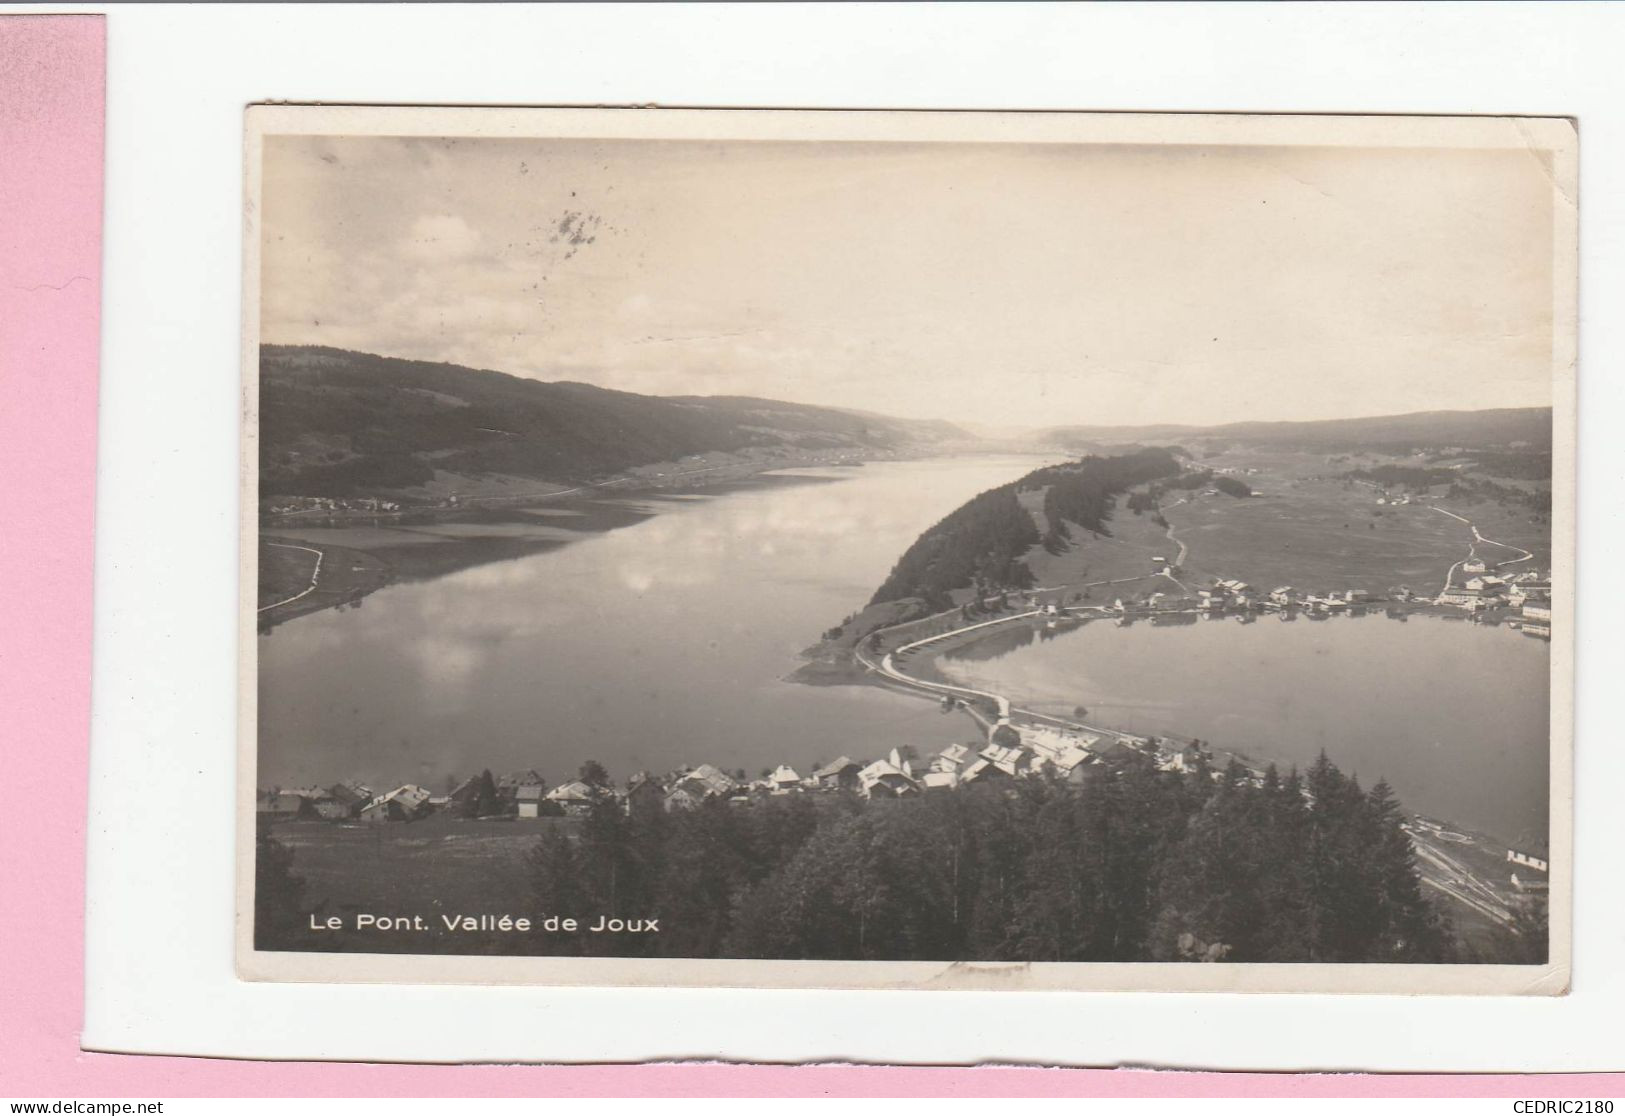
1011 752
1481 584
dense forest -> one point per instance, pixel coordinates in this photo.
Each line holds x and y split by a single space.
1142 866
984 539
981 541
1515 466
1466 486
1538 502
337 423
1412 476
1085 493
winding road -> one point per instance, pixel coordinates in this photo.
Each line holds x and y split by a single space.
1472 548
886 667
314 574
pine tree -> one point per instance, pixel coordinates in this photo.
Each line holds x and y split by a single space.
1525 940
556 889
279 911
1411 929
484 802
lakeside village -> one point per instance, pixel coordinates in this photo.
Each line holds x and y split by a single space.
1522 601
1012 752
1028 747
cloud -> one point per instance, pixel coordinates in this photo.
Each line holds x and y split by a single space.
1110 284
440 238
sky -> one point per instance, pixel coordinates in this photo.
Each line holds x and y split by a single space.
987 284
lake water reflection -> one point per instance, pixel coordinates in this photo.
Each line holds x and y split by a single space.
660 643
1453 714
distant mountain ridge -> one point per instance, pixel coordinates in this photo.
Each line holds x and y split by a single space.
334 423
1500 426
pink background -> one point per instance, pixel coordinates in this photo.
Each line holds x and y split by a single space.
51 119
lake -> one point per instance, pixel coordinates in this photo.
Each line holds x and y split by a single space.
1453 714
651 645
666 641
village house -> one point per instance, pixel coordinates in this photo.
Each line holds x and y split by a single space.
644 795
884 779
1529 587
1116 749
1528 860
1462 596
352 795
401 804
1538 611
905 759
1014 760
462 798
528 800
686 795
1281 595
784 779
574 798
325 806
984 770
508 787
1187 757
839 774
1065 752
1475 566
1071 765
316 802
715 780
277 805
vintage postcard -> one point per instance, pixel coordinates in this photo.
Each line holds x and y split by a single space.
908 549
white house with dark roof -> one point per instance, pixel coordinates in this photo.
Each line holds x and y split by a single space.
884 779
528 800
839 774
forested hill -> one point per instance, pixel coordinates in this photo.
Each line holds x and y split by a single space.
983 540
336 423
1427 429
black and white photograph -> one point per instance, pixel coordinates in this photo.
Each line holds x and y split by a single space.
907 549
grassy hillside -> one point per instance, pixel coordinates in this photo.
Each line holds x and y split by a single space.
337 423
985 539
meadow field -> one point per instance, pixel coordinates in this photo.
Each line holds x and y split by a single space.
440 865
1310 528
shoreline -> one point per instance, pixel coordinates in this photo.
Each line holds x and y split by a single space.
346 574
1454 860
